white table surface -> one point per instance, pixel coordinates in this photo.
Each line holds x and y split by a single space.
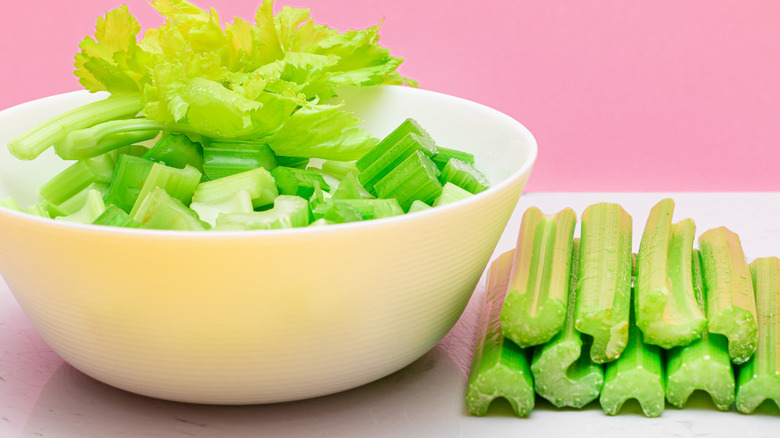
40 396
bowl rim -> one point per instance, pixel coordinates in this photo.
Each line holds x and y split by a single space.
65 226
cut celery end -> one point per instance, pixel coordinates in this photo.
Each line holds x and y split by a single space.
179 183
114 216
759 378
605 273
445 154
297 182
38 210
75 202
129 177
367 208
406 127
10 203
176 150
77 177
464 175
392 157
136 150
159 210
499 368
238 202
337 212
225 158
105 137
258 182
288 212
703 365
295 162
348 188
93 207
418 205
535 307
413 179
451 193
731 304
339 169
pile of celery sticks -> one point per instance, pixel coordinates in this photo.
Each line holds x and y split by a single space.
576 320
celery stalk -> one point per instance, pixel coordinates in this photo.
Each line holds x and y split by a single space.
702 365
535 306
105 137
666 308
75 202
464 175
129 177
176 150
445 154
10 203
76 178
731 303
759 378
418 206
159 210
412 179
604 288
116 217
288 212
258 182
406 127
179 183
348 188
499 368
562 369
339 169
297 182
392 157
93 207
367 208
451 193
236 202
224 158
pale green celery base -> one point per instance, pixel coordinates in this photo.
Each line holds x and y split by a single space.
669 334
609 339
739 327
640 384
700 369
503 371
561 378
526 330
753 392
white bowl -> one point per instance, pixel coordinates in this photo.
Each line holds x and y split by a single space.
265 316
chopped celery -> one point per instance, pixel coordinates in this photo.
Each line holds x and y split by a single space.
320 222
535 306
499 368
33 142
129 177
297 182
225 158
258 182
406 127
55 210
105 137
296 162
731 303
562 369
136 150
177 150
451 193
339 169
418 206
604 288
412 179
116 217
759 378
667 311
236 202
348 188
75 202
464 175
38 210
392 157
704 364
338 213
159 210
179 183
367 208
445 154
288 212
93 207
76 177
10 203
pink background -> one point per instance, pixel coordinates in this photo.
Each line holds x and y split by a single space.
621 96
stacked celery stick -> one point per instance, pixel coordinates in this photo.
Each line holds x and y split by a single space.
181 184
575 320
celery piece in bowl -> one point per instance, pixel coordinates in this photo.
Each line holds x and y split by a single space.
413 179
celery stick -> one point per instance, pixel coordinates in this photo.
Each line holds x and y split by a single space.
159 210
604 288
296 162
418 206
406 127
10 203
445 154
297 182
38 210
93 207
339 213
33 142
75 202
638 373
258 182
236 202
702 365
129 177
759 378
116 217
288 212
392 157
535 306
499 368
224 158
731 303
464 175
667 311
562 369
451 193
410 180
177 150
348 188
76 177
105 137
179 183
339 169
367 208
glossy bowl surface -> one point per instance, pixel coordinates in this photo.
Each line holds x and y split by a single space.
266 316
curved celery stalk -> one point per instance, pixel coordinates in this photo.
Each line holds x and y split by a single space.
288 211
535 306
500 368
604 287
731 303
759 378
702 365
666 308
562 369
105 137
33 142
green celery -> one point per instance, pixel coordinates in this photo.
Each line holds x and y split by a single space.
136 150
296 162
392 157
704 364
236 202
339 213
159 210
412 179
93 207
731 303
129 177
105 137
604 288
499 368
33 142
562 369
320 222
400 132
288 212
179 183
76 177
348 188
176 150
464 175
445 154
224 158
367 208
535 306
667 311
10 203
116 217
258 182
297 182
38 210
451 193
77 201
418 206
339 169
759 378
